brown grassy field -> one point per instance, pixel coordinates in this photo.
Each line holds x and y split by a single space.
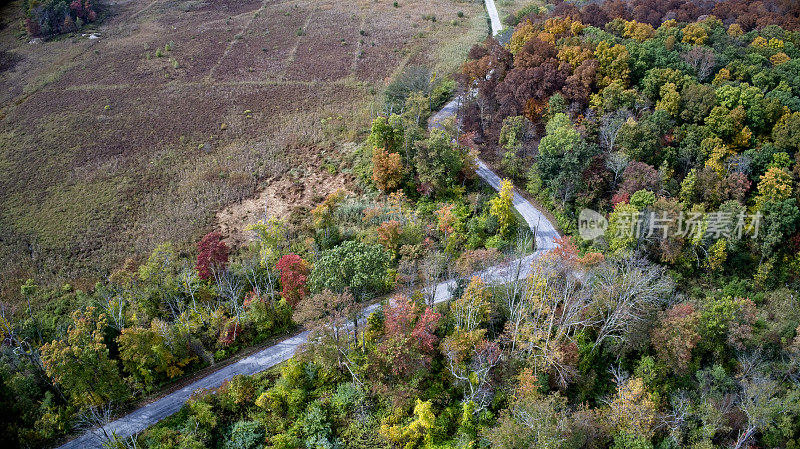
111 146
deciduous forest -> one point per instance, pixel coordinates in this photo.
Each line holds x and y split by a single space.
675 125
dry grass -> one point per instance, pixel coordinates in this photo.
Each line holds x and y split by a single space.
111 146
508 7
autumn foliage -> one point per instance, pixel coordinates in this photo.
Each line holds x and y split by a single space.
387 169
677 335
52 17
409 336
212 254
294 277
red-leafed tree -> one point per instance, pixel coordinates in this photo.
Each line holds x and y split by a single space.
212 254
536 75
676 336
77 7
33 27
409 337
294 277
639 176
424 333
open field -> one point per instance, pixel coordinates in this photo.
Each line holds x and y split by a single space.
110 146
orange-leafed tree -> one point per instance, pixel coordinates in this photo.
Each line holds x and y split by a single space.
387 169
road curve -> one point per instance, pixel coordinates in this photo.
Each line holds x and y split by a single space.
148 415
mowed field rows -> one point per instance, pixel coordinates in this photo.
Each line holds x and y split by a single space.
113 145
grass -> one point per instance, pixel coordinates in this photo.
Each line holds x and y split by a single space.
506 8
452 53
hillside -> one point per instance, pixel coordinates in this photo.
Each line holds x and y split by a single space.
114 145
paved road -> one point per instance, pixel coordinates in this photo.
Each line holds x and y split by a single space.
154 412
544 231
494 18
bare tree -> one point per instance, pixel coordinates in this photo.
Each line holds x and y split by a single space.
96 420
611 124
617 162
474 375
625 291
114 305
514 292
675 421
546 317
702 60
758 401
619 374
432 270
330 317
229 288
190 283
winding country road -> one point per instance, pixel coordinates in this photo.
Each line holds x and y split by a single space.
152 413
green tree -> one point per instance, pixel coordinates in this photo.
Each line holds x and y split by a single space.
641 140
563 156
511 137
438 161
696 102
786 132
670 99
780 221
386 134
154 354
642 199
621 232
417 109
720 120
269 234
245 435
359 266
512 132
81 364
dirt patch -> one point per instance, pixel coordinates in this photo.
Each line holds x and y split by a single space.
298 189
